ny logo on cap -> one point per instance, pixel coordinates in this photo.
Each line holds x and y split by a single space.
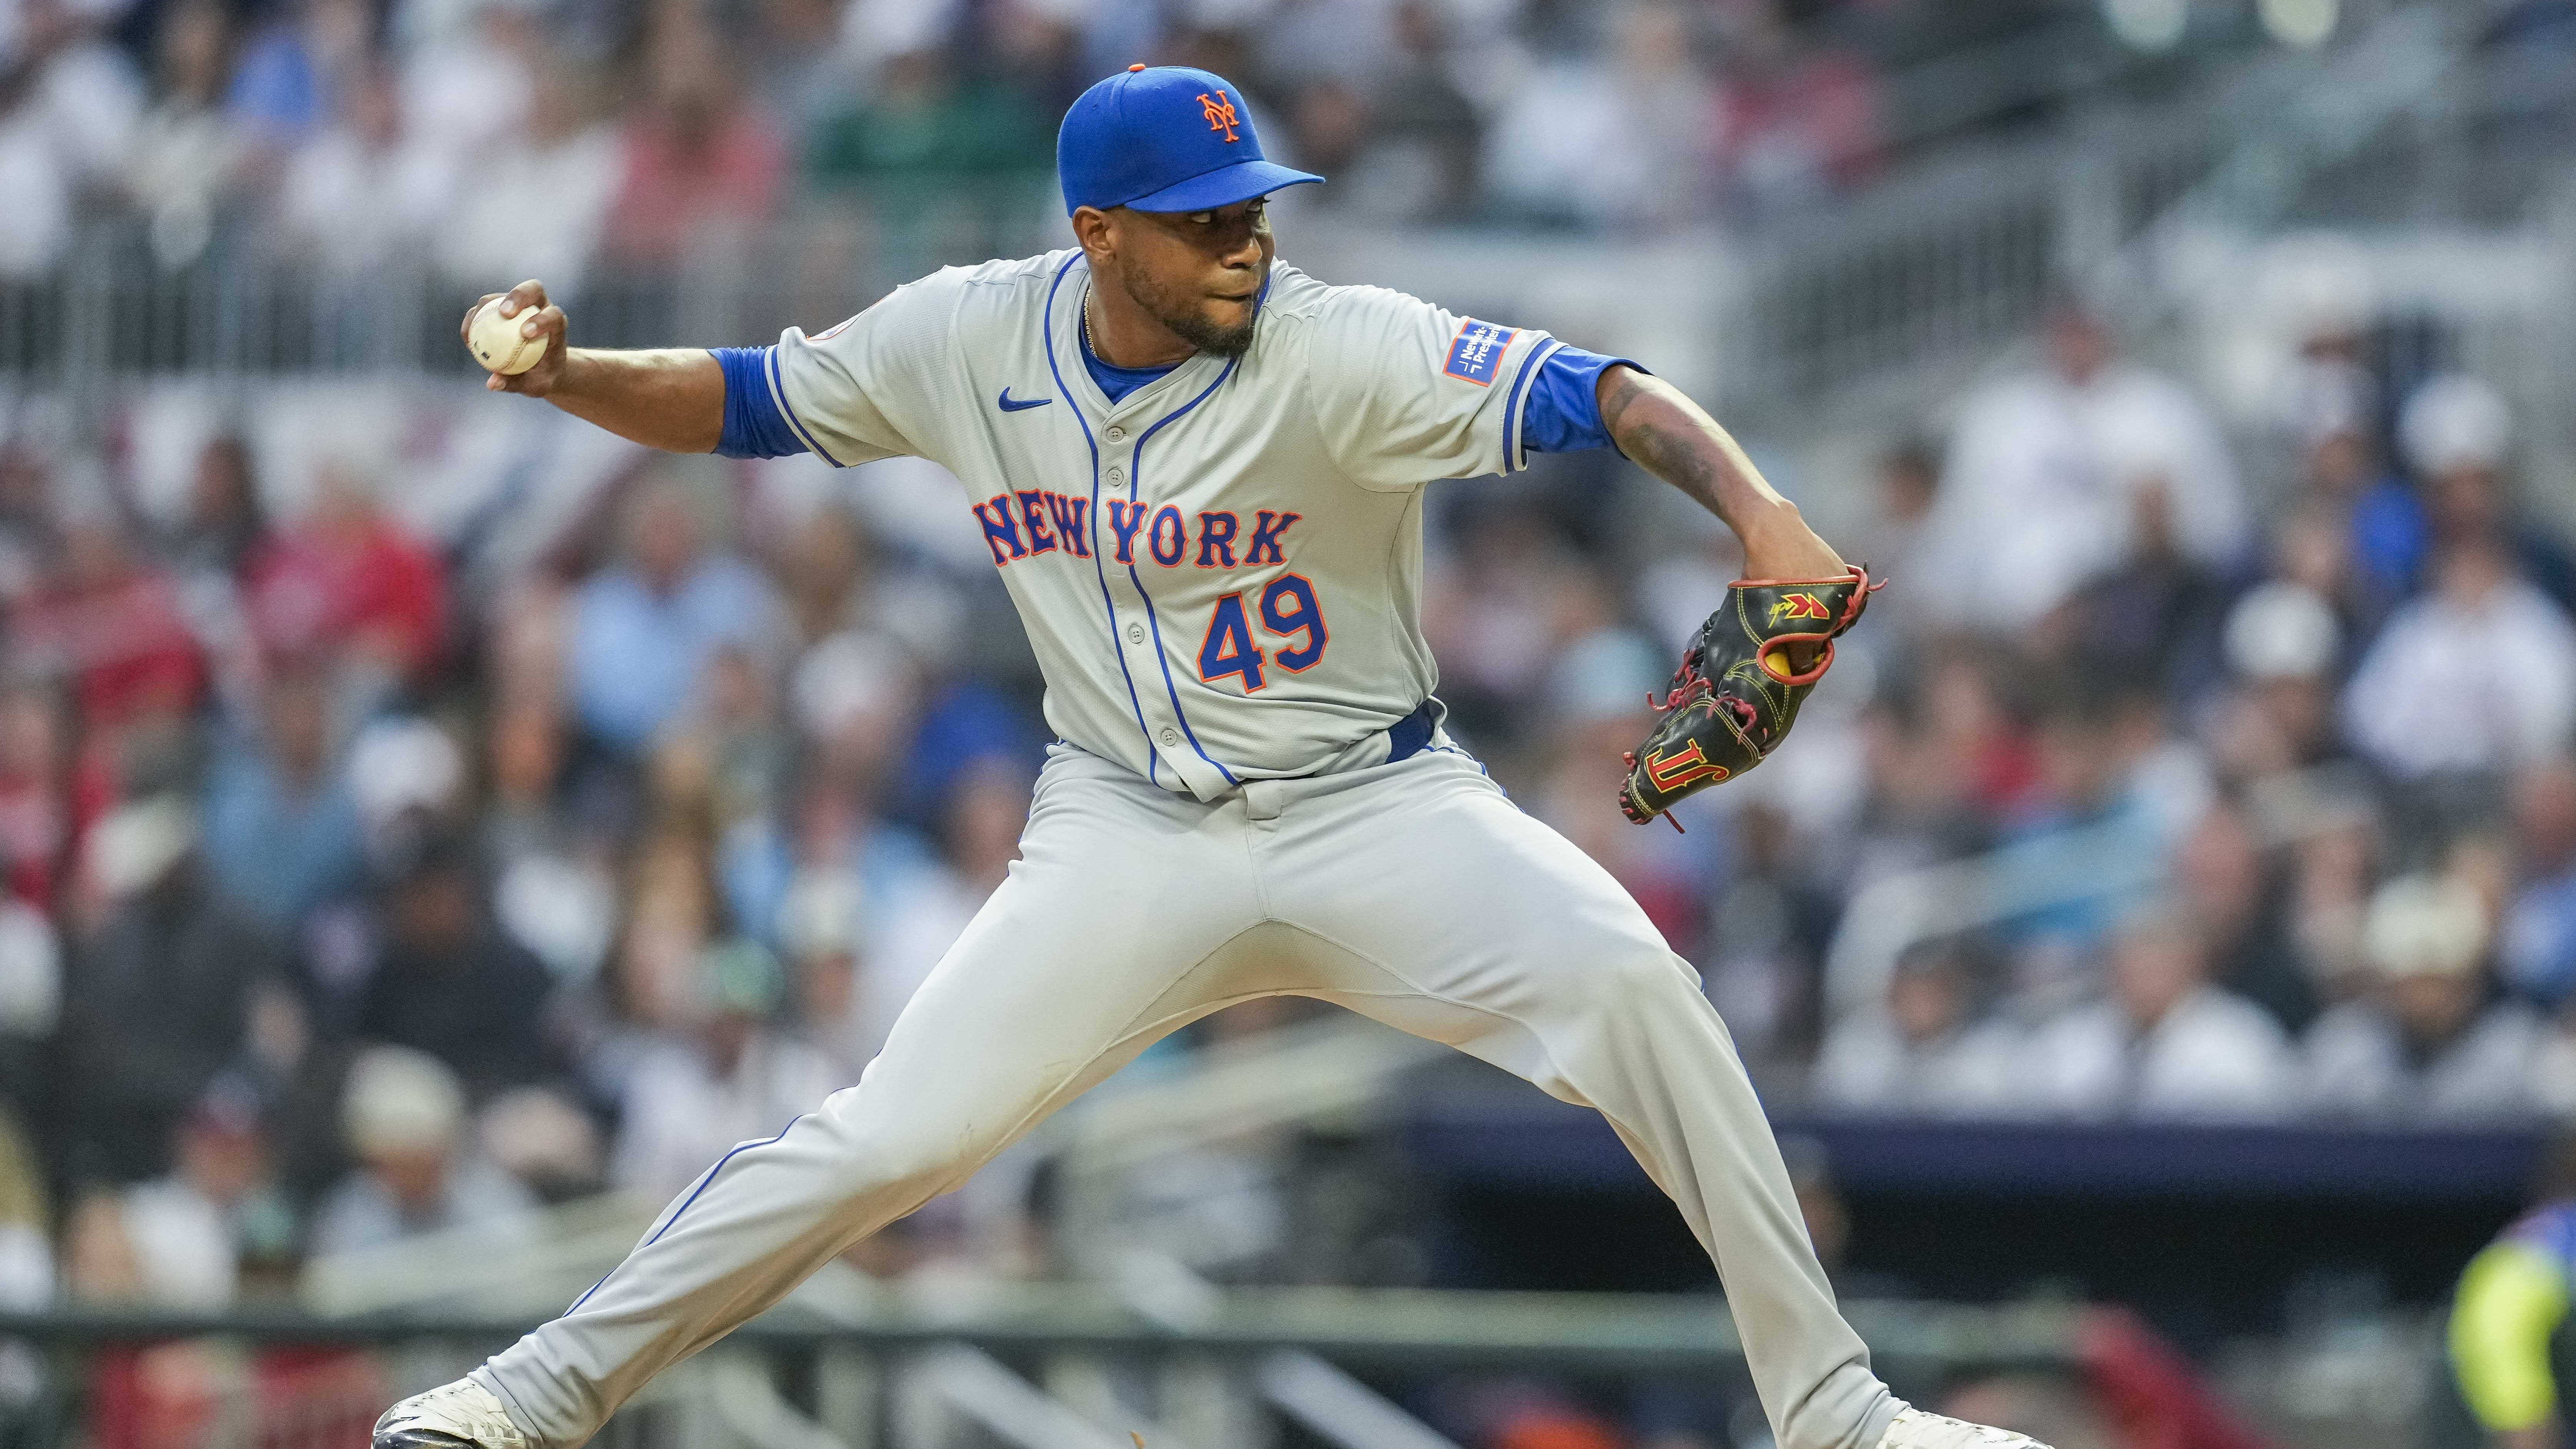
1219 110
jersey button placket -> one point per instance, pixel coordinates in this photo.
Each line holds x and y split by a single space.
1116 434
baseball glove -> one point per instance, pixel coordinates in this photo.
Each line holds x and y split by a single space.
1739 689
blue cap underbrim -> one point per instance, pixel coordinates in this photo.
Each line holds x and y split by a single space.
1224 186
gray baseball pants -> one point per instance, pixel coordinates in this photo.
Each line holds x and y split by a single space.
1414 893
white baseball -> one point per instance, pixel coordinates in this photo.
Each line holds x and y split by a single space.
495 341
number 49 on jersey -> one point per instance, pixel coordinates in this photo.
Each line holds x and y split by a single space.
1288 612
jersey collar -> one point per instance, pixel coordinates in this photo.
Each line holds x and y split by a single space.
1184 381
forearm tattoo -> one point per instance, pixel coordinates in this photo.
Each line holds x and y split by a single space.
1665 441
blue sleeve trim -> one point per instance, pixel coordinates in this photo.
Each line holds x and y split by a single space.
778 389
1515 447
754 427
1563 414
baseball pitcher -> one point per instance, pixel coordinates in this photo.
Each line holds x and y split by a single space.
1200 474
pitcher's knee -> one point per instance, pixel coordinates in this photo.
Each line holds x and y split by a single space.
1642 974
1621 980
1608 1011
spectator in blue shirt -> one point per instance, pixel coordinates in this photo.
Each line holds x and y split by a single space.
282 87
282 831
2539 946
644 628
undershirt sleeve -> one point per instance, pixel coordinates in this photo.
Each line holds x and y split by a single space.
1563 414
754 427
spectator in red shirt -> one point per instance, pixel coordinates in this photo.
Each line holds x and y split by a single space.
1792 124
349 582
113 627
45 803
697 157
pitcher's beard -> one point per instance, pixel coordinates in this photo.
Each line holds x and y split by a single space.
1191 326
1206 336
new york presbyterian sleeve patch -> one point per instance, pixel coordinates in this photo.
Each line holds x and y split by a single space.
1477 351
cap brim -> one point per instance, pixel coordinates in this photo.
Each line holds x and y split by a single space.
1224 186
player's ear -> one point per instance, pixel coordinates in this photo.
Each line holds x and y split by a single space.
1095 232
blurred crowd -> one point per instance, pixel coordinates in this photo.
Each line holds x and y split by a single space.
541 136
364 880
2265 811
343 908
519 137
2182 771
357 889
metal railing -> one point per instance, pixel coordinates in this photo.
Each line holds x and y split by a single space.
1294 1076
1337 1070
1327 1399
953 1386
251 303
1889 916
220 1383
1885 303
1947 256
1149 1343
1929 270
895 1367
1932 271
2107 862
571 1246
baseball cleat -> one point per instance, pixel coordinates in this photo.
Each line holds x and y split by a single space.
463 1413
1915 1429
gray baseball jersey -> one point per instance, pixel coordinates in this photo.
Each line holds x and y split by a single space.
1222 573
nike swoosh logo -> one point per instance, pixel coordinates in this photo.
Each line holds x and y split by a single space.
1012 404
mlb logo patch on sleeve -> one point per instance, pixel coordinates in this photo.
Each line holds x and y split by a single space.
1477 350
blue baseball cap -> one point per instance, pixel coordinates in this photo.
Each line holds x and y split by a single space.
1163 138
